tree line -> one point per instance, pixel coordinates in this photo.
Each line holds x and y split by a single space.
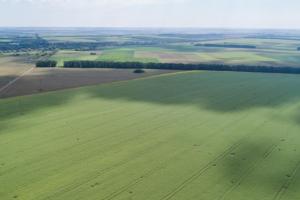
178 66
46 63
240 46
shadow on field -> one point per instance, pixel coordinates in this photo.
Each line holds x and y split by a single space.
215 91
252 165
43 80
296 116
19 106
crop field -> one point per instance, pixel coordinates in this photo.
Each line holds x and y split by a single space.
268 52
181 136
123 55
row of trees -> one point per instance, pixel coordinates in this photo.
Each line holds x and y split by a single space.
46 63
240 46
177 66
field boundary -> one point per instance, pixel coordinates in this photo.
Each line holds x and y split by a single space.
2 89
95 85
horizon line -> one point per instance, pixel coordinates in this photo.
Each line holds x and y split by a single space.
158 27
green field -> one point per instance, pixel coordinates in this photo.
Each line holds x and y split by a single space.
120 55
123 55
182 136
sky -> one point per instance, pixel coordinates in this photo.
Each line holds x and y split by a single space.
274 14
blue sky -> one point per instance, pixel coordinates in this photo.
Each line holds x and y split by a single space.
152 13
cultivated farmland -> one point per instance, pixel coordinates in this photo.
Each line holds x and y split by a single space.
268 52
10 68
191 135
19 78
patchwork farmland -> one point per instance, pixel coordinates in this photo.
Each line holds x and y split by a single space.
185 135
270 52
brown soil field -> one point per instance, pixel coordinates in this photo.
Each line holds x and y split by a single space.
10 68
46 79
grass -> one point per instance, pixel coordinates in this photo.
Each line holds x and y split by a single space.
236 57
192 135
123 55
65 55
